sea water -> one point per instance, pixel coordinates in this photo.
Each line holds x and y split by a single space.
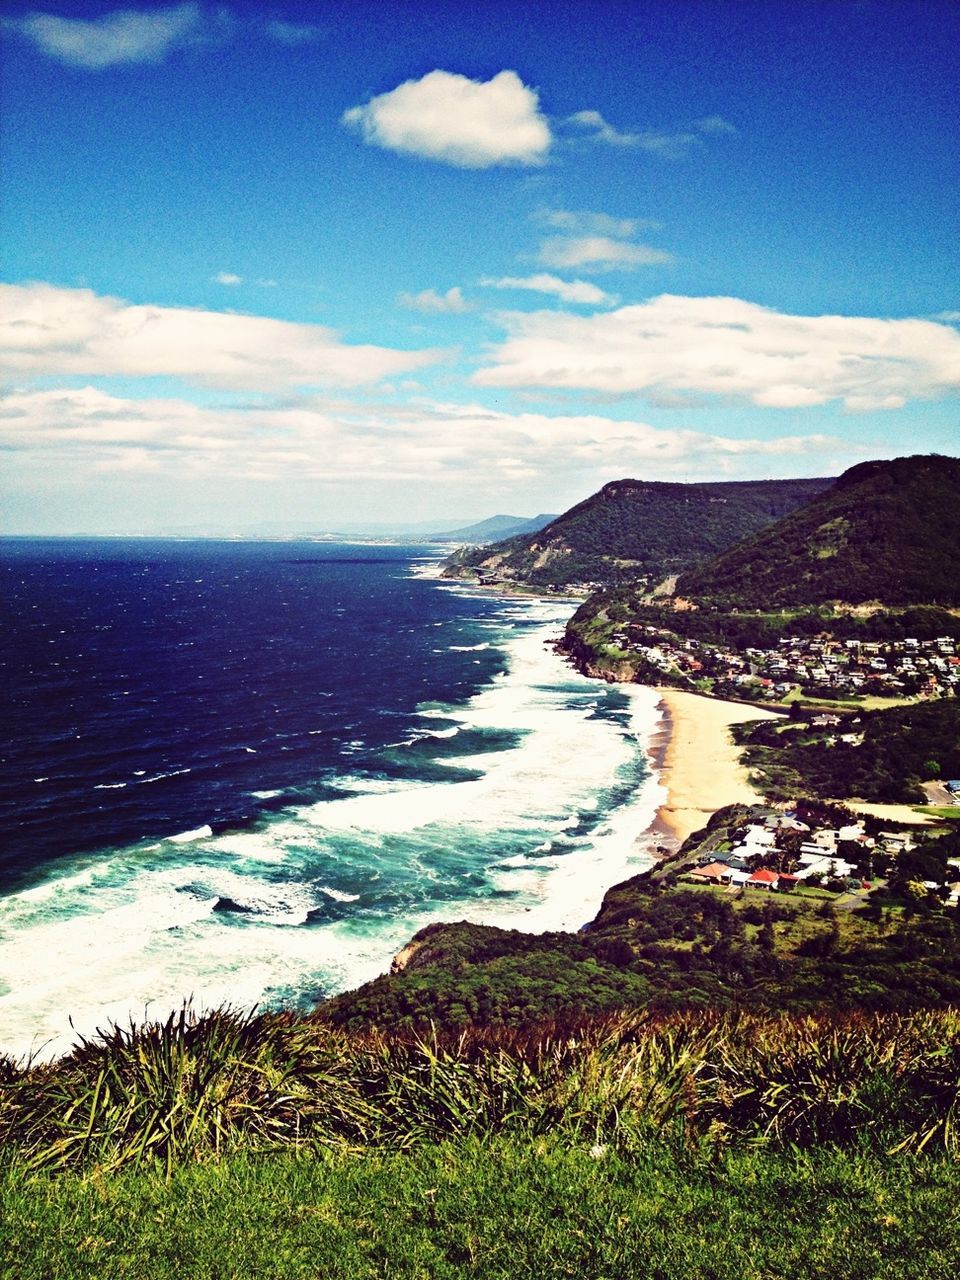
248 772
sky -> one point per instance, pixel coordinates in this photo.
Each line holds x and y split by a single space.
304 265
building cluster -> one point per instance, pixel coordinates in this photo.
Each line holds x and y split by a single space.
896 668
781 853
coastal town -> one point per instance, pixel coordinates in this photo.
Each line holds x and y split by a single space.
819 666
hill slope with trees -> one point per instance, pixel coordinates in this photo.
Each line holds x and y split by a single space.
637 529
884 531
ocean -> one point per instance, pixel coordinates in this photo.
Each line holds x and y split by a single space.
247 773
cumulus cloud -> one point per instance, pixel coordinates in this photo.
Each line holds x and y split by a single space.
48 331
671 144
123 37
580 292
227 277
87 431
450 303
676 346
448 117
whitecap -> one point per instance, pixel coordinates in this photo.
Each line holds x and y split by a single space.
186 837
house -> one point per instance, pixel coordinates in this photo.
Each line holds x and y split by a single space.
763 879
712 873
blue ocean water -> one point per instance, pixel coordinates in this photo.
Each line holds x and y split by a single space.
247 772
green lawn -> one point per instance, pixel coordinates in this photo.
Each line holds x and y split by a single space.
491 1209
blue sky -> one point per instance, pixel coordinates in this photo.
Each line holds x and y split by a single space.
373 261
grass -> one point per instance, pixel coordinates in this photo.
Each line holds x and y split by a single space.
502 1208
699 1146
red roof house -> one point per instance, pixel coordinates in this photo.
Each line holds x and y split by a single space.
763 879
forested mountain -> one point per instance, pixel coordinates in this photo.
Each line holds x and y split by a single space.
498 527
884 531
637 529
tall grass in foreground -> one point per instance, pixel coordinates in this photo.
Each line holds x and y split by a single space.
197 1087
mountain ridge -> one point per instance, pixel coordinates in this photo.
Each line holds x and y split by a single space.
636 529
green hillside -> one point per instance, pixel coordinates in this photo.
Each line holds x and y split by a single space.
637 529
885 531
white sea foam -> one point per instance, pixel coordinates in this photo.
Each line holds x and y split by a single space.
139 932
187 837
337 895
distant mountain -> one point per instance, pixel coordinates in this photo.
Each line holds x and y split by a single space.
884 531
636 529
497 527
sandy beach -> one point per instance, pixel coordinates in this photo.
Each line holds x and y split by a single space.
700 768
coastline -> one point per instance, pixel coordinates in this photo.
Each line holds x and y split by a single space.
697 761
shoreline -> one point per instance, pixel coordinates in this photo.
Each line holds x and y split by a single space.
697 761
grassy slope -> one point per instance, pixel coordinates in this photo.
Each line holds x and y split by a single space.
495 1209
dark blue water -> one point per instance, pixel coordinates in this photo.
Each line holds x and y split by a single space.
153 686
249 772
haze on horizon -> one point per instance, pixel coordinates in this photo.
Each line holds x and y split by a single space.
379 263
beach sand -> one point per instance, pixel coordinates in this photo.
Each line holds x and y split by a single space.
701 769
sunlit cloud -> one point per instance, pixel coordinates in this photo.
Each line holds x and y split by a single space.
676 346
228 278
448 117
47 331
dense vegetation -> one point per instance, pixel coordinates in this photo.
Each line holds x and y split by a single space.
885 757
639 529
884 531
195 1088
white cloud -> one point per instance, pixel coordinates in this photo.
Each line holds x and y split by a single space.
599 253
671 144
114 39
672 346
575 291
450 303
584 222
596 242
46 331
87 431
227 277
463 122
